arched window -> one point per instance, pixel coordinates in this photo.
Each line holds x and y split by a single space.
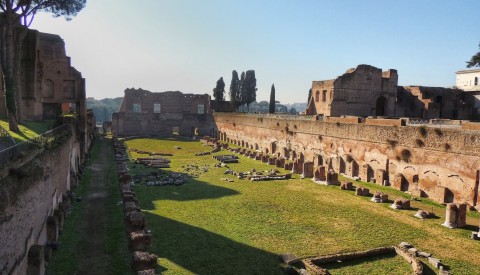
317 96
324 95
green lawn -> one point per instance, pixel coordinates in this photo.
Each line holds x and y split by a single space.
29 129
210 226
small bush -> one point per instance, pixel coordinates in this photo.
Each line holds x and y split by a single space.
438 132
405 155
392 143
419 142
423 131
447 147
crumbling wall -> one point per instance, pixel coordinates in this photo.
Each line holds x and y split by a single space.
433 162
176 111
30 198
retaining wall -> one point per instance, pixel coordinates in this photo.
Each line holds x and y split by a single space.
440 163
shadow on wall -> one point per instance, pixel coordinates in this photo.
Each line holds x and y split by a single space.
203 252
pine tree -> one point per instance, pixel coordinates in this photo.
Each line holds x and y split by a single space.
219 91
271 106
309 95
475 60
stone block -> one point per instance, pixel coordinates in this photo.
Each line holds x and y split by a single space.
461 218
332 177
289 258
320 174
346 185
308 169
36 260
135 221
143 261
451 215
401 203
140 241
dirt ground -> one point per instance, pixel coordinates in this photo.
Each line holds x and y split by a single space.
91 257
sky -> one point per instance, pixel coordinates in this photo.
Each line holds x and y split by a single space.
187 45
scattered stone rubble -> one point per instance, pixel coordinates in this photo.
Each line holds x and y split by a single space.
226 158
139 238
149 153
405 250
155 162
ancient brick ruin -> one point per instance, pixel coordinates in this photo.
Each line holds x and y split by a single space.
35 187
162 114
367 91
438 163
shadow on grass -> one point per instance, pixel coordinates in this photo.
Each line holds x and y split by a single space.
203 252
192 190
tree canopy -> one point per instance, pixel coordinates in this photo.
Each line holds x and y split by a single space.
16 13
219 91
475 60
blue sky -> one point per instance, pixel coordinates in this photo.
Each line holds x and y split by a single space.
187 45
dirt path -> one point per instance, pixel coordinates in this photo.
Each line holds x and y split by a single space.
91 257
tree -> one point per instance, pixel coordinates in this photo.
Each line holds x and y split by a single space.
293 111
250 87
475 60
234 90
219 91
271 106
16 17
242 94
309 95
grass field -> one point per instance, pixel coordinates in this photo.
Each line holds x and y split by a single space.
29 129
210 226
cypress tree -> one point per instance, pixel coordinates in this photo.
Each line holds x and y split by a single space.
271 106
234 90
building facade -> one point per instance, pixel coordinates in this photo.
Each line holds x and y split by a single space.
469 81
48 82
162 114
367 91
361 91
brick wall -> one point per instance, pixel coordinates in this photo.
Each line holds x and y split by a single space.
28 197
427 161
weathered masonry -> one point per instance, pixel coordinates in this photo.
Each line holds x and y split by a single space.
34 198
367 91
162 114
440 163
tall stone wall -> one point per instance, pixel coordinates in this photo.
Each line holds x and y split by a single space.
31 201
440 163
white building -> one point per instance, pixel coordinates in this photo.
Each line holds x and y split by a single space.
469 81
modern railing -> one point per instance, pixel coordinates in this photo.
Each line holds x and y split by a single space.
279 116
6 138
22 149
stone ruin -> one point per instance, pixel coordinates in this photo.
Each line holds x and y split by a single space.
139 238
346 185
226 158
456 215
401 203
424 214
362 191
154 162
379 197
476 235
